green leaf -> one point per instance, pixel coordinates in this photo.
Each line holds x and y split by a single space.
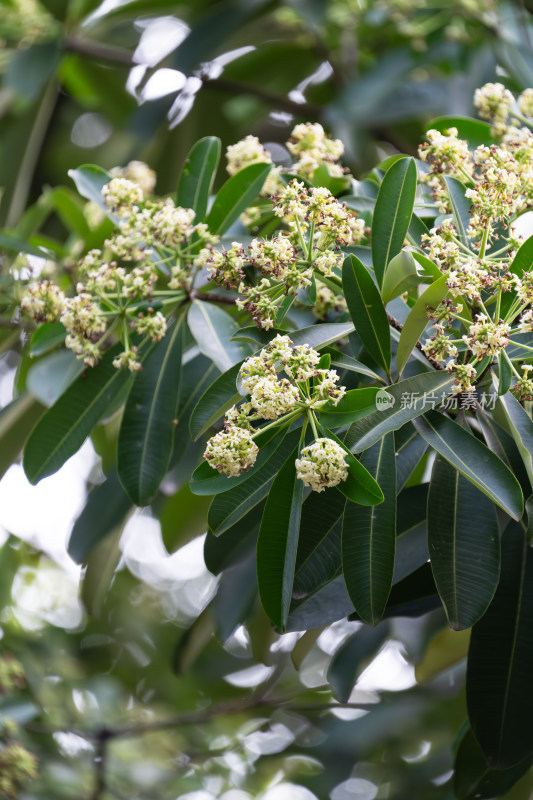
15 420
520 427
13 244
229 507
360 486
352 657
367 310
65 426
106 509
464 545
221 395
460 208
220 552
500 661
410 447
46 337
197 176
410 398
355 404
505 373
522 261
319 549
417 320
146 435
392 214
369 538
474 780
473 460
316 336
343 362
401 274
90 180
278 542
212 329
49 377
237 194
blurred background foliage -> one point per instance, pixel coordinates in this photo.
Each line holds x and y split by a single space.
147 686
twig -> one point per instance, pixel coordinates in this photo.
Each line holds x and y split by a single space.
211 297
100 764
105 52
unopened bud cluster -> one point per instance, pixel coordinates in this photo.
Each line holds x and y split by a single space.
305 388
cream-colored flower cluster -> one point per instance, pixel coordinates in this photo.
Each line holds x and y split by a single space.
322 464
146 267
305 388
318 225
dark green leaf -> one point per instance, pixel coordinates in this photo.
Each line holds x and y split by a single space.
105 510
460 208
464 545
235 597
65 426
367 310
417 320
392 214
341 361
505 373
473 460
474 131
400 275
410 447
146 434
213 329
316 336
221 395
237 543
319 557
278 542
355 404
360 486
16 419
473 780
237 194
369 538
500 661
411 398
520 428
197 176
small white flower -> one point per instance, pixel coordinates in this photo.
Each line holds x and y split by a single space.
231 451
322 464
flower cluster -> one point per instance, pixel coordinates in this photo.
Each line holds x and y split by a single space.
497 183
322 464
144 270
305 388
317 226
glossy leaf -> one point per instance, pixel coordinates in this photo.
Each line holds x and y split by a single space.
213 328
475 131
340 361
410 447
505 373
66 425
417 320
464 545
197 176
90 180
474 780
49 377
351 658
400 275
146 435
15 420
369 537
105 510
319 558
500 661
237 194
277 544
367 310
229 507
216 400
520 428
316 336
46 337
460 208
473 460
392 214
355 404
411 398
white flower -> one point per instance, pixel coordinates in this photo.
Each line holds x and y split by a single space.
120 194
272 398
322 464
231 451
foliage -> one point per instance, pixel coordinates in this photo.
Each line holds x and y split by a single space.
331 377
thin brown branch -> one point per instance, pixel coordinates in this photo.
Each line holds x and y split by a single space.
212 297
103 52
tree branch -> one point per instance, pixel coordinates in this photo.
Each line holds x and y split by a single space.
104 52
